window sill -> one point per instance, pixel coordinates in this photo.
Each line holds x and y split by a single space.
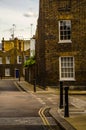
65 41
19 63
67 79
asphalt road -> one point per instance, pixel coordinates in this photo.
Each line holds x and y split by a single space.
8 85
20 110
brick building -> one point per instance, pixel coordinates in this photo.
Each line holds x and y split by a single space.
12 57
61 47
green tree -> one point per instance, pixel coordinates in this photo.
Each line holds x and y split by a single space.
31 61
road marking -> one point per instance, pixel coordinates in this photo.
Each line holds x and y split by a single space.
52 101
40 100
43 117
77 102
6 121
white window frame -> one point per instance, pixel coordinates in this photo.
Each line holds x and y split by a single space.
25 57
67 66
7 59
7 71
18 60
0 60
64 40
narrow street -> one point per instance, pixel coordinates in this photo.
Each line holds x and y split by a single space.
25 111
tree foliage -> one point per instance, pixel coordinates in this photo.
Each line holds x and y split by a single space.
29 62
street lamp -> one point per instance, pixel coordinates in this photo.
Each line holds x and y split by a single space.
31 29
13 31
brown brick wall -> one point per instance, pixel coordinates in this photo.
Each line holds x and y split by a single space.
48 47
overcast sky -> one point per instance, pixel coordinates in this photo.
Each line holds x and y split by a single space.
20 13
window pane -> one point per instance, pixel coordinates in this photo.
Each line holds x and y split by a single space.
67 67
19 59
62 37
65 30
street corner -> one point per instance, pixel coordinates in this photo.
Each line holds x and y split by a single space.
64 124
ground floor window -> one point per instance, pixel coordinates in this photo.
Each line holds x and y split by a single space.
67 71
7 72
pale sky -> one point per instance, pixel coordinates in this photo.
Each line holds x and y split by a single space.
20 13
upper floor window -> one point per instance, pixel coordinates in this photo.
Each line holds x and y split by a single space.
8 60
64 5
20 46
26 58
65 31
0 60
67 71
19 59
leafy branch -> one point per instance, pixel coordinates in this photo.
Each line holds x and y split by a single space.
31 61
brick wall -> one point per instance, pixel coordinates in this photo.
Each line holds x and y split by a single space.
48 47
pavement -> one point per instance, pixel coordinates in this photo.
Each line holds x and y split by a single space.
77 106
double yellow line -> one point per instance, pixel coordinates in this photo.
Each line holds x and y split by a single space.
43 117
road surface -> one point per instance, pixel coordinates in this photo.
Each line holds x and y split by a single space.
25 111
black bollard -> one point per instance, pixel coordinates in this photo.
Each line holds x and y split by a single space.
61 95
34 85
66 107
19 76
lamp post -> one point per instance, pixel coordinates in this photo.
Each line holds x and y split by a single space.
31 29
13 29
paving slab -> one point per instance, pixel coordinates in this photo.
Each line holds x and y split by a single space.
79 122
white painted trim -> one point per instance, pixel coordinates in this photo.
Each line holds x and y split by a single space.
66 79
63 41
7 60
18 60
7 71
0 60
